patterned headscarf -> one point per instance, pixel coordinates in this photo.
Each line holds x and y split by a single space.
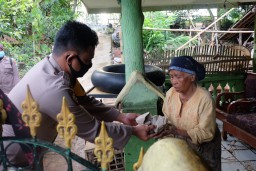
189 65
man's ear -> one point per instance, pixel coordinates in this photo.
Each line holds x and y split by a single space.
69 55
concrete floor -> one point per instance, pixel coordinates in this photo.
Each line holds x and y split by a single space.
236 155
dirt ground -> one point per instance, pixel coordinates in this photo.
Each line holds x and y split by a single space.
53 161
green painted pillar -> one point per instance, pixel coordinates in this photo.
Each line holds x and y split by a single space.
132 22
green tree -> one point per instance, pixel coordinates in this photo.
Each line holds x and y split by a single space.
33 24
232 17
154 40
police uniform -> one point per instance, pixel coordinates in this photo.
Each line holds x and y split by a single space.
9 74
48 84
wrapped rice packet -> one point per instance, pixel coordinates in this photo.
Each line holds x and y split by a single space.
148 119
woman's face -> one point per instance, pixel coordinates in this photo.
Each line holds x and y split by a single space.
181 81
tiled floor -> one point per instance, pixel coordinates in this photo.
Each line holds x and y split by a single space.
236 155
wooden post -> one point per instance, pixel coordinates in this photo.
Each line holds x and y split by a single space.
240 41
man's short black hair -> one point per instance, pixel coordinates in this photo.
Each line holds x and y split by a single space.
74 35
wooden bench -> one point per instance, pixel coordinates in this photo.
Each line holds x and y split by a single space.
239 119
237 111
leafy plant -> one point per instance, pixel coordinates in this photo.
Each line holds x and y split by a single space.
161 40
32 24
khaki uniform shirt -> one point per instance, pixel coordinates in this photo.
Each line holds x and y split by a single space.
9 75
196 116
48 84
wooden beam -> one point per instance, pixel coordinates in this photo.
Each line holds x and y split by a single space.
197 30
240 29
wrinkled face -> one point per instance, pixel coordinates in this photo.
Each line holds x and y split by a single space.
181 81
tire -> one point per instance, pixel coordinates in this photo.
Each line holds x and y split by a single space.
111 78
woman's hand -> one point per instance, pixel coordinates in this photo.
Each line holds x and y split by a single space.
168 131
172 131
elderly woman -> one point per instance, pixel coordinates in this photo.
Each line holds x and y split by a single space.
190 110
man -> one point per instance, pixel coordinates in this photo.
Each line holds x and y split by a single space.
9 74
56 76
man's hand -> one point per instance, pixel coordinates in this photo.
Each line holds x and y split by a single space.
128 118
143 132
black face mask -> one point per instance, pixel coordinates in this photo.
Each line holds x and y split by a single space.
84 68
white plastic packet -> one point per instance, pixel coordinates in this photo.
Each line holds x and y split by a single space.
148 119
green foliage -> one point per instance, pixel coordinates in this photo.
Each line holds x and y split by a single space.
160 40
13 17
177 41
33 25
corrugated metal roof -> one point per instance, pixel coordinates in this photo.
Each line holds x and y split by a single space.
245 23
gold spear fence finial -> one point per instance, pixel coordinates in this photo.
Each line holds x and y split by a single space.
66 128
31 115
3 115
137 165
104 150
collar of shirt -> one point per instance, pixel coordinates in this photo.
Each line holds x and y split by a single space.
59 71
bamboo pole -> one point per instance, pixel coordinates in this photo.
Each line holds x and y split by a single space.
196 30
